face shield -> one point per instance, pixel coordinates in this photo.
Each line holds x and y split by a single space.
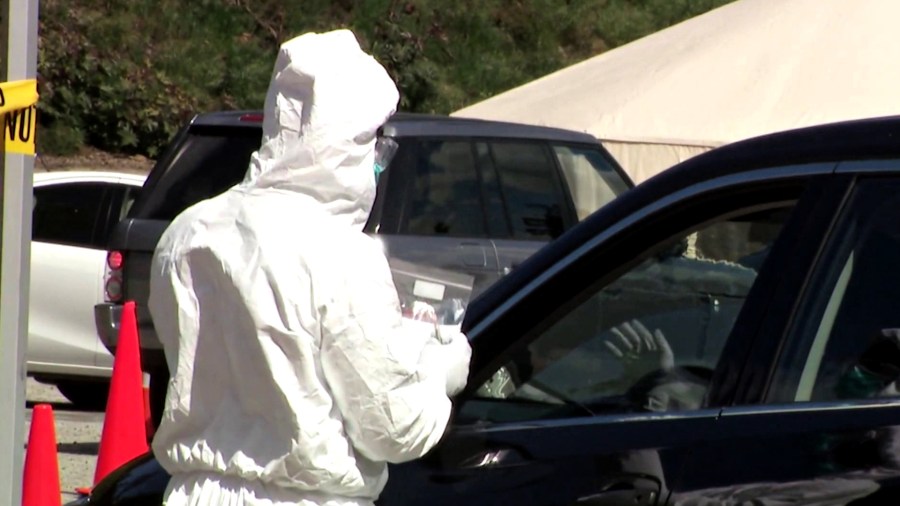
385 149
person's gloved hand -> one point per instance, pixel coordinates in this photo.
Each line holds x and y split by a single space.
423 311
448 355
640 350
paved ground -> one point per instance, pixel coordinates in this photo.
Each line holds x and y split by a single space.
77 437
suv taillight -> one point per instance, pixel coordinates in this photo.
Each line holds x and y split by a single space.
113 283
251 117
114 260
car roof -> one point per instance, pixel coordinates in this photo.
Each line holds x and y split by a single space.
863 139
404 124
867 139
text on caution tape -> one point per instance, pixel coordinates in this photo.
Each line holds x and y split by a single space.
19 115
19 130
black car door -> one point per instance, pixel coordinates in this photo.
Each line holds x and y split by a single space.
567 404
592 384
819 421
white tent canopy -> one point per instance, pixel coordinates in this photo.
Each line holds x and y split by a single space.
745 69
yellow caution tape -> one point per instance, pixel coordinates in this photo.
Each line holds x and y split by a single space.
17 104
16 95
18 130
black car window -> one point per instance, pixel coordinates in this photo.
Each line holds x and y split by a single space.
445 195
648 341
531 189
846 342
68 214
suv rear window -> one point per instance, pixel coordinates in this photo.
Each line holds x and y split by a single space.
211 160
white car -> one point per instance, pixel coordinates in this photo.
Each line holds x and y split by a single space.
73 214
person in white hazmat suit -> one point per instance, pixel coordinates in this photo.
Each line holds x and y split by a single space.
294 379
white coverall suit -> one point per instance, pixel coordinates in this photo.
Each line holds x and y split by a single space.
294 378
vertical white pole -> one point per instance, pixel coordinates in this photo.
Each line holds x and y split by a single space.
19 21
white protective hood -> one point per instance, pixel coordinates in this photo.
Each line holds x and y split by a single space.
326 101
294 378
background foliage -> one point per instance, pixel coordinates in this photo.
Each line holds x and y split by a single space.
124 75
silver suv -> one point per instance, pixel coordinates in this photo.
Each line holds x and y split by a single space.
469 196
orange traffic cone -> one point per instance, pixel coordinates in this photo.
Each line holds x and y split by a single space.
124 435
40 485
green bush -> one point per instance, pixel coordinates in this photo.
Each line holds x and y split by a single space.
59 139
126 74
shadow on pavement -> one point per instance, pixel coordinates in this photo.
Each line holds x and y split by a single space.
78 448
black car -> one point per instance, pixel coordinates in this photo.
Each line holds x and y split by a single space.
725 333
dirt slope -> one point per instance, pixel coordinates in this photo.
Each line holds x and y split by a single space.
90 159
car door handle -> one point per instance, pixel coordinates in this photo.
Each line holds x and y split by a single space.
626 489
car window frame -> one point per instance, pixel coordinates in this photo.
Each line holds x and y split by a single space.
850 175
492 336
117 195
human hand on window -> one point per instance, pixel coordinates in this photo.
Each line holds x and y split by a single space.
640 351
